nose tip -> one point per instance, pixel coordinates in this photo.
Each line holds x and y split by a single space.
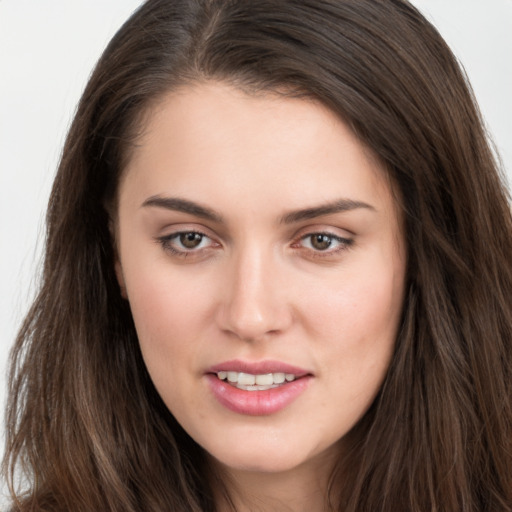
247 319
254 305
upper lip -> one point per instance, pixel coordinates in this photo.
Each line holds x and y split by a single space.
258 367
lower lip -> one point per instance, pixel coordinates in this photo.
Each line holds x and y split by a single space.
257 403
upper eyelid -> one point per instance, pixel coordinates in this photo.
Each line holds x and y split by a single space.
170 231
184 231
333 231
328 232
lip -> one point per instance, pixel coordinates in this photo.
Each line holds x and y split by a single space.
257 403
258 367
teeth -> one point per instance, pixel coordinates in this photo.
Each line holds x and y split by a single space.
256 388
259 382
279 378
264 380
246 379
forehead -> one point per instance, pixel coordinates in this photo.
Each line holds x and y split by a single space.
212 140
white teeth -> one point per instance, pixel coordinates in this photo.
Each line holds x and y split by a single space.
264 380
246 379
232 376
251 382
256 388
279 378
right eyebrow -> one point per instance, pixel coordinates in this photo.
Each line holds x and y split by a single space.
182 205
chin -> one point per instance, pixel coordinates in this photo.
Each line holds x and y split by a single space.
260 462
271 455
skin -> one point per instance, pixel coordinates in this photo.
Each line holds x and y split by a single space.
257 287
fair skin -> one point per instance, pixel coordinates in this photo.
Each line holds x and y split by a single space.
256 234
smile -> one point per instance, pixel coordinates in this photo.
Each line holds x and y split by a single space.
257 388
259 382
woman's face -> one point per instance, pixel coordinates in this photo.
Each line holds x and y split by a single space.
262 254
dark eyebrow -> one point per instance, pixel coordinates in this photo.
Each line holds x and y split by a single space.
183 205
340 205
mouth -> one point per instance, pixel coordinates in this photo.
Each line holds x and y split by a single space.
258 382
257 388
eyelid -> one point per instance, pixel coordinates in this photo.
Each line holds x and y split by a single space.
325 226
329 230
169 230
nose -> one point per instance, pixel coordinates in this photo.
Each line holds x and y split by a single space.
254 303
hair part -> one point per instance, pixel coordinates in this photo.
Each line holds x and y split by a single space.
85 422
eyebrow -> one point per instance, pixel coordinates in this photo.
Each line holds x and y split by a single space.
338 206
183 205
193 208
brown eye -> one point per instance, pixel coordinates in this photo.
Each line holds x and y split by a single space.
190 240
188 244
321 242
326 243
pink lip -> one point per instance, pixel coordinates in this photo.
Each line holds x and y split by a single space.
257 368
257 403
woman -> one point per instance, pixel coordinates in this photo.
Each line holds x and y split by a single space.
277 274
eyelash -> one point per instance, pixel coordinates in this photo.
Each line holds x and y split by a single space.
167 243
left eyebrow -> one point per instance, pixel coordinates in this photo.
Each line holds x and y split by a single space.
338 206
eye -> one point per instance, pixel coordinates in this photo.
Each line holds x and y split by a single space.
320 241
190 240
324 242
184 243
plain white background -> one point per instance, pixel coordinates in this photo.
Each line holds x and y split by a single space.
47 50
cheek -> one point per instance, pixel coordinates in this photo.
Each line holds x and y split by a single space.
168 311
167 314
357 320
358 328
357 310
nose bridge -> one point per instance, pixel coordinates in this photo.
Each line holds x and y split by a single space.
254 305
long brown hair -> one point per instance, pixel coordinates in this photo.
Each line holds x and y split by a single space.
85 426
